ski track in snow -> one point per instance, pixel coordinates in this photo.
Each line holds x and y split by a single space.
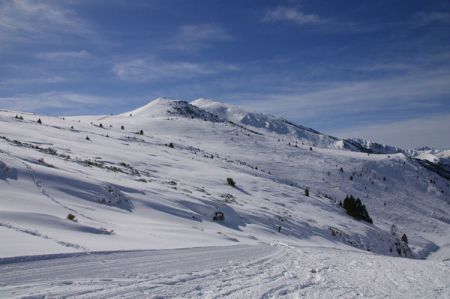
260 271
173 192
44 192
40 235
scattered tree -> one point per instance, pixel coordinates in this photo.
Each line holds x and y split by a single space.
72 217
394 229
100 125
404 238
141 132
307 192
231 182
171 145
356 209
39 121
87 138
122 127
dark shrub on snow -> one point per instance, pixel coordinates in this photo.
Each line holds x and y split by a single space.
231 182
356 209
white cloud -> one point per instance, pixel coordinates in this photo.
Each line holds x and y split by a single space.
38 79
396 66
292 14
25 20
64 100
425 18
64 55
354 97
193 37
203 32
150 69
432 131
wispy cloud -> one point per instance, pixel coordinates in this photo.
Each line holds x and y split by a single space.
63 55
383 67
430 131
434 17
24 20
56 100
204 32
39 79
338 99
292 14
197 36
151 69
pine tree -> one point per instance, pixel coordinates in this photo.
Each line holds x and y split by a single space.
231 182
404 238
356 209
307 192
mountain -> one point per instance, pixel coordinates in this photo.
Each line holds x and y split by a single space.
435 160
167 107
155 177
270 124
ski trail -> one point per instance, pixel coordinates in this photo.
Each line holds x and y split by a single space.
44 192
40 235
259 271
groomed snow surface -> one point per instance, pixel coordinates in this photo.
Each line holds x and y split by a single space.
143 188
242 271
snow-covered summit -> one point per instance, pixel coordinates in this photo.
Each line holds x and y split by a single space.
270 124
155 176
165 107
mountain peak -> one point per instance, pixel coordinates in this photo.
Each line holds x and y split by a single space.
166 107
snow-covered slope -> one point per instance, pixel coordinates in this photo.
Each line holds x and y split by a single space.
270 124
242 271
166 107
435 160
154 177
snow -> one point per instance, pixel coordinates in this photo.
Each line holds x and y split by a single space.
134 192
242 271
268 123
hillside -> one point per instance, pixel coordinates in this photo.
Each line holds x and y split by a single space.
154 177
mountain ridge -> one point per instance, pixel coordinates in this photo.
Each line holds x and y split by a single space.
154 177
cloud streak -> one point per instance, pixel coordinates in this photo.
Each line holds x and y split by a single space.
431 131
63 55
434 17
203 32
152 69
193 37
291 14
23 21
338 99
57 100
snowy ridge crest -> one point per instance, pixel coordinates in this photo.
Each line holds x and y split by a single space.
164 107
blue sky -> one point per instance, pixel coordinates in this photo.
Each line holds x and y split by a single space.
372 69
